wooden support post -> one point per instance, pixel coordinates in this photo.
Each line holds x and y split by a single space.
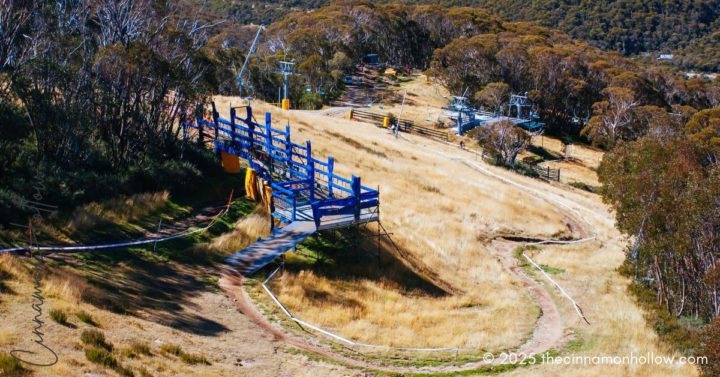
558 179
232 125
199 113
311 170
288 147
184 136
251 133
268 131
268 139
249 116
215 116
356 188
331 165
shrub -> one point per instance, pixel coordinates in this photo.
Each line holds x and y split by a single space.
193 359
96 339
10 366
188 358
172 349
584 186
711 348
101 356
311 101
59 316
526 170
144 372
125 372
136 349
85 317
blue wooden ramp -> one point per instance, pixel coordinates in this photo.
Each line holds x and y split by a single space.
264 251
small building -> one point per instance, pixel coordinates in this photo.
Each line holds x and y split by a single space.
371 59
666 57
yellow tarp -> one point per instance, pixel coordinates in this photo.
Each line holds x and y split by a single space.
267 196
251 184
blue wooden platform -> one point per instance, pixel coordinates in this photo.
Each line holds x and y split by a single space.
264 251
305 189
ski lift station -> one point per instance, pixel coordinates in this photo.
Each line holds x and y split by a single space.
466 117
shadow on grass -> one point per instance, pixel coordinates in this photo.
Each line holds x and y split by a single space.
158 282
356 254
542 152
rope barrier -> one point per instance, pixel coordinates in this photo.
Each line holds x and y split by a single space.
144 241
339 337
575 305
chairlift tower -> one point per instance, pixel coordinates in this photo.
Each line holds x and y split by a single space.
240 80
286 69
519 102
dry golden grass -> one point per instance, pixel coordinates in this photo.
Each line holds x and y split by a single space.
64 284
246 231
618 326
239 349
441 212
380 313
581 164
12 265
422 104
589 156
549 143
118 210
574 171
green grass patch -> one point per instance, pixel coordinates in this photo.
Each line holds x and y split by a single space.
95 338
586 187
212 281
101 356
171 349
86 318
59 316
137 349
193 359
681 334
551 270
10 366
187 358
522 262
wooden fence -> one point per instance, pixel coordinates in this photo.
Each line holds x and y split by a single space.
542 172
547 172
405 125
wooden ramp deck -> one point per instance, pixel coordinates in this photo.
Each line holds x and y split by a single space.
264 251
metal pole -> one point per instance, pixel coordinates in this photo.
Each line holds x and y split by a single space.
285 85
158 231
402 107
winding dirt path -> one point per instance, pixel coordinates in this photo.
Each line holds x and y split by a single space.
549 331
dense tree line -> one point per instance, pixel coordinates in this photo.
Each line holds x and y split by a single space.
469 49
665 187
90 91
631 27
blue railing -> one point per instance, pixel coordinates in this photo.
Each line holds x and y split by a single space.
304 180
